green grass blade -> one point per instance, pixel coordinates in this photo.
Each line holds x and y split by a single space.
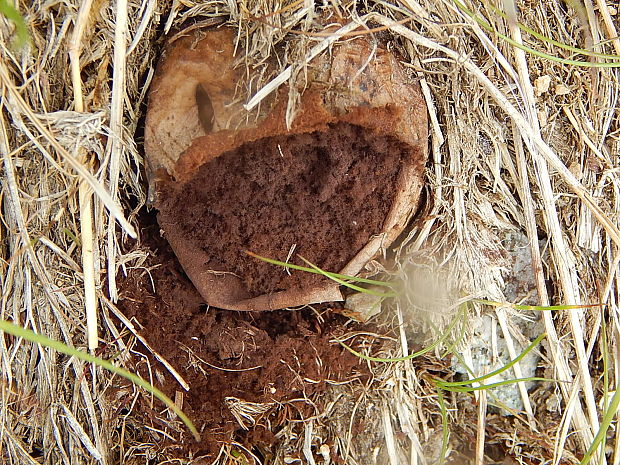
21 31
447 387
482 23
58 346
349 285
610 413
464 307
541 308
326 273
509 365
557 43
439 341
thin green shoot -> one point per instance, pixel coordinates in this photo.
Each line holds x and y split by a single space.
465 386
71 235
461 334
58 346
445 432
456 384
608 417
557 43
493 399
464 307
605 354
11 13
349 285
329 274
427 349
482 23
445 387
541 308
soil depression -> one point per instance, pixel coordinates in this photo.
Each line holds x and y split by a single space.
323 194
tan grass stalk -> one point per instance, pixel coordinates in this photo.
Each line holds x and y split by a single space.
612 34
437 140
572 404
146 344
616 350
557 349
388 431
285 75
307 447
26 240
80 434
115 147
85 195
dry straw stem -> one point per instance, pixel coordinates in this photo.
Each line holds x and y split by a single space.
481 426
85 194
115 143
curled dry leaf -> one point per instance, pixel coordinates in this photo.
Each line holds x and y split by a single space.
337 187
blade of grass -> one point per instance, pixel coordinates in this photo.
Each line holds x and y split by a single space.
557 43
446 386
311 270
11 13
533 307
464 310
439 341
527 350
566 61
608 417
495 401
461 334
58 346
349 285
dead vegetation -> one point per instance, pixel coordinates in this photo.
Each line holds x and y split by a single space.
519 142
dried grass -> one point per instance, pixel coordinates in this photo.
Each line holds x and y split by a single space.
507 152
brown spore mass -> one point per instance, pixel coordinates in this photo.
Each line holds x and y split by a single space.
267 357
325 193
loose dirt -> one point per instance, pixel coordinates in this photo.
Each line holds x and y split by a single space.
265 357
324 194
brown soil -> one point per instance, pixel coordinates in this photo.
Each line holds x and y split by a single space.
327 192
291 350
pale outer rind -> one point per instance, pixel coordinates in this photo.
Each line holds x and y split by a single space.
344 86
172 121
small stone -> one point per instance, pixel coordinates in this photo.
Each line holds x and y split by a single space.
362 307
542 83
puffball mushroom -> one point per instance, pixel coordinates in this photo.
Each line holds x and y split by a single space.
226 180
